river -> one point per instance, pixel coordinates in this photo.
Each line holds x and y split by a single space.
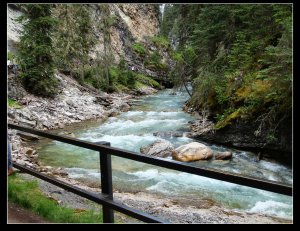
134 129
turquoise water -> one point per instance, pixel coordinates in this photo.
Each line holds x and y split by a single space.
134 129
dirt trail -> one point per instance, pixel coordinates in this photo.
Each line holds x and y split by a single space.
16 214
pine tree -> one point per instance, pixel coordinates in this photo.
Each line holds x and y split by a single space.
35 51
73 38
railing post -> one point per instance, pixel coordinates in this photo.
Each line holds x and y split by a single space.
106 183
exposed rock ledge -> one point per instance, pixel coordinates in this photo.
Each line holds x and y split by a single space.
73 104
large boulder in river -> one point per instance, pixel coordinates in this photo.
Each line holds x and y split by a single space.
191 152
160 148
223 155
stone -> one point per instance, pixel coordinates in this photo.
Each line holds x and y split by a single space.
21 161
60 172
113 113
124 107
192 152
70 102
223 155
28 164
25 113
30 151
11 114
160 148
27 123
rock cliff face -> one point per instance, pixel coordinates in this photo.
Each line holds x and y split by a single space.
133 23
13 28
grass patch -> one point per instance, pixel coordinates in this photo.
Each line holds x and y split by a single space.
13 103
28 195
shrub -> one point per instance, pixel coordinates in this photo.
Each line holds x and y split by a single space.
160 41
139 49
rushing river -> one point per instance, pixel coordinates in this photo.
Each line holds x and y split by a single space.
134 129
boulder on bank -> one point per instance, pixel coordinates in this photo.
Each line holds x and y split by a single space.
192 152
160 148
223 155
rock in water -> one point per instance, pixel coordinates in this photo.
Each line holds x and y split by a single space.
160 148
191 152
223 155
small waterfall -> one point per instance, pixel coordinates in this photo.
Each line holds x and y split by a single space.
162 9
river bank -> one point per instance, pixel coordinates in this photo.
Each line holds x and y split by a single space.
241 135
72 105
171 209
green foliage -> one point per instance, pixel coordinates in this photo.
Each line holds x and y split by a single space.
139 49
13 103
125 79
160 41
73 38
28 195
239 56
176 56
271 138
147 80
35 53
155 58
155 61
239 69
10 56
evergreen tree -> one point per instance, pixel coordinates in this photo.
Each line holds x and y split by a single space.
35 51
106 60
73 38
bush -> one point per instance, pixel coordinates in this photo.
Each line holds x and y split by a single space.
10 56
147 80
154 61
40 81
160 41
13 103
139 49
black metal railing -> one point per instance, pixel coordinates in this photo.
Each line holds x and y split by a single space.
106 196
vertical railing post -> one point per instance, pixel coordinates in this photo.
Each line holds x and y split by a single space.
106 183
